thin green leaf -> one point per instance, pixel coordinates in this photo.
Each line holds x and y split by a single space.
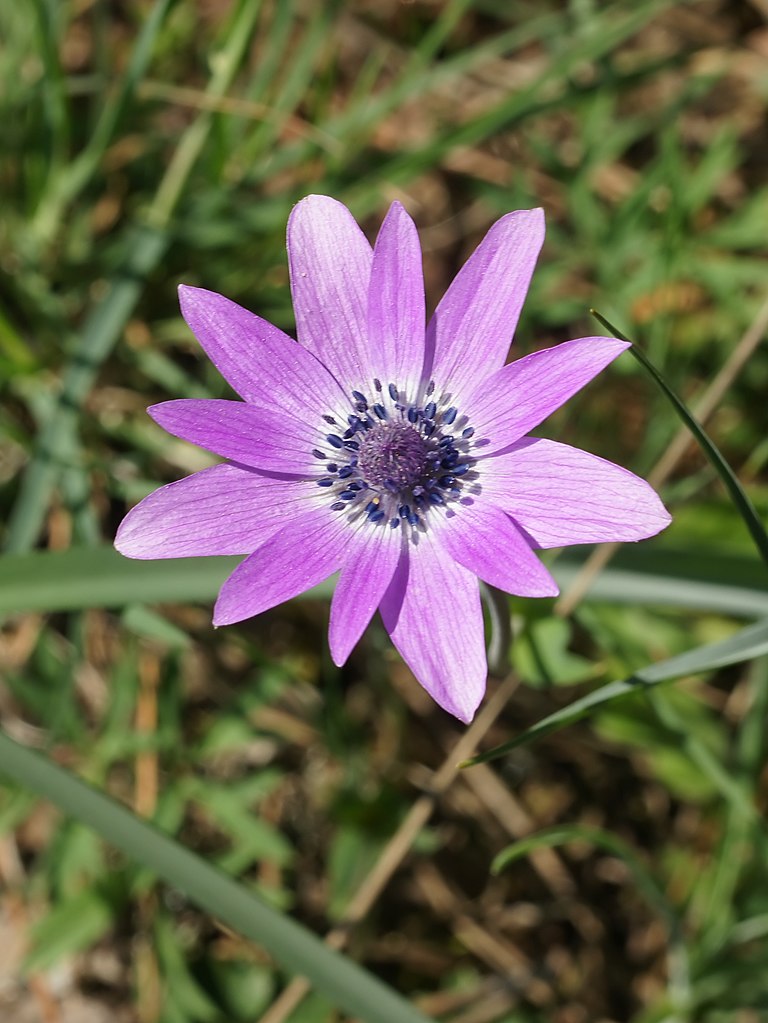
348 985
743 646
738 495
100 577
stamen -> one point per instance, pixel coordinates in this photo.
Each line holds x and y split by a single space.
393 392
359 396
335 441
325 483
450 415
380 411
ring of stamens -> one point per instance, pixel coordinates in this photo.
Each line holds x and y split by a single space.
393 461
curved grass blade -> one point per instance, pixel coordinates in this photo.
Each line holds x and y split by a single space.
738 495
679 973
346 984
85 577
745 645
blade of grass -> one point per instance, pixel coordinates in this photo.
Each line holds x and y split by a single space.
745 645
144 247
737 493
71 180
100 577
348 985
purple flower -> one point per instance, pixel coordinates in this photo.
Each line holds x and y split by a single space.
393 454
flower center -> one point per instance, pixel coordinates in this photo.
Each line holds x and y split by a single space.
392 455
391 462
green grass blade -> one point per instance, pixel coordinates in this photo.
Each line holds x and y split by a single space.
349 986
738 495
106 320
747 644
80 578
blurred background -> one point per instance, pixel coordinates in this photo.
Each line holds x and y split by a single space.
147 143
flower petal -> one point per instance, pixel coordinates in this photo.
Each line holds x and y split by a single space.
484 540
561 495
521 395
222 510
329 259
396 304
432 612
370 564
260 439
307 549
262 364
472 328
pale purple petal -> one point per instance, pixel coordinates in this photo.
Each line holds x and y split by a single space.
272 441
483 539
222 510
432 612
396 305
308 548
520 396
472 328
561 495
371 560
261 363
329 259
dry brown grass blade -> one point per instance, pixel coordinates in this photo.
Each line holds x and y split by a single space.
399 845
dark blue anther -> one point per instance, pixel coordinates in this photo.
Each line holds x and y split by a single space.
413 415
430 387
345 471
429 409
361 406
450 461
436 498
450 415
331 467
377 383
334 441
317 453
351 445
418 491
376 516
413 519
338 506
469 432
357 485
429 429
444 481
459 470
325 483
393 392
354 422
445 442
394 523
330 419
348 433
380 411
348 495
404 511
359 396
371 507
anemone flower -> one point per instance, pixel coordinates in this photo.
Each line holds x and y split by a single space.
389 451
